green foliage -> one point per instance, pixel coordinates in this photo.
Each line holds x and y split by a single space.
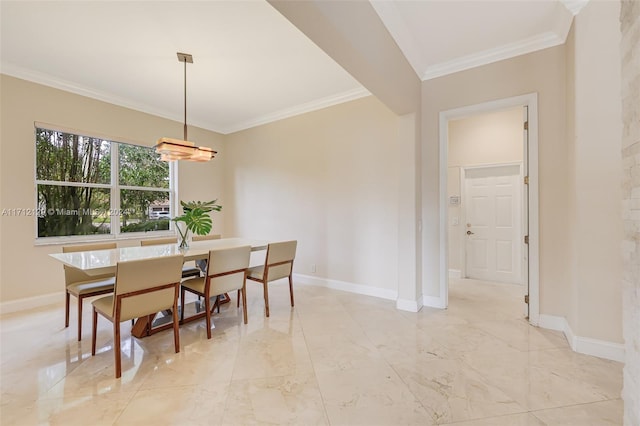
195 216
139 166
65 157
149 225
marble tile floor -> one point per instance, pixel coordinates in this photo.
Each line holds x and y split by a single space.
336 358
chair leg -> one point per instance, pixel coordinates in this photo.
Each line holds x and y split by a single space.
79 318
176 332
266 297
116 346
244 304
94 332
207 307
66 309
218 302
182 304
238 303
291 290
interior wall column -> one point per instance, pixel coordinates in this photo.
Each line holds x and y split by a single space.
409 194
630 82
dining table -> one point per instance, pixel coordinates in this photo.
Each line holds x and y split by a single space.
100 262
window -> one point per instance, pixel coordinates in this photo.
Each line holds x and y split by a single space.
88 186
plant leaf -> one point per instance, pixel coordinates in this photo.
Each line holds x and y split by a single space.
195 215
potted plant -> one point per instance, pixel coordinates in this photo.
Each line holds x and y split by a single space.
196 219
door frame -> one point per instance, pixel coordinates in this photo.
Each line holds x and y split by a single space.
530 163
463 212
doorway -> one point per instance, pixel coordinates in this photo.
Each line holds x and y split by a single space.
492 212
497 181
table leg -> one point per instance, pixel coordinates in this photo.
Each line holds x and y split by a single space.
141 327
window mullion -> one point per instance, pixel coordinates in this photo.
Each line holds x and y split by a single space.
76 184
173 193
115 190
144 188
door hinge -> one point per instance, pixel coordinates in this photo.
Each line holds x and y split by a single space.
526 180
526 239
526 299
526 125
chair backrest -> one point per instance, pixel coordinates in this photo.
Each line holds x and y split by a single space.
227 268
205 237
144 287
280 258
157 241
74 275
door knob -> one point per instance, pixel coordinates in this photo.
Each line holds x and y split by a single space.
470 233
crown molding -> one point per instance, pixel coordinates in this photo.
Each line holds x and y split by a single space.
300 109
532 44
67 86
392 19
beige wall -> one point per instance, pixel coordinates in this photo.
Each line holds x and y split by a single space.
328 179
491 138
542 72
579 166
331 178
26 269
597 221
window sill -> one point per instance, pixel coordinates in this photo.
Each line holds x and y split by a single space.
58 241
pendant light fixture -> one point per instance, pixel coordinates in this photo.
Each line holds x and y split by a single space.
175 149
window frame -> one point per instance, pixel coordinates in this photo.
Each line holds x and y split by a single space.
114 187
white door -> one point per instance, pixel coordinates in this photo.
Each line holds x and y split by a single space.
492 202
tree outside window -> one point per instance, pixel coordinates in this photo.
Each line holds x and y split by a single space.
76 194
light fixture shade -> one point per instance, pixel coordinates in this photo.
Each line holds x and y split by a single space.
170 157
177 149
203 153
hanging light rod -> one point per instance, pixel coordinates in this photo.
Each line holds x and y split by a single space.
185 57
175 149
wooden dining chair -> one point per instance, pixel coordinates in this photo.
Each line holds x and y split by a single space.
278 264
202 263
157 241
226 271
187 271
205 237
82 285
142 288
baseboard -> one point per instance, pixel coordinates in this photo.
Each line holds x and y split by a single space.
584 345
31 303
552 322
408 305
433 302
455 274
382 293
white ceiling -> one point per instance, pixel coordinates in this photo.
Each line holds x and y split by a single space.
251 66
439 37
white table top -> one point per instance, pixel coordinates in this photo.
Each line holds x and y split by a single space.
99 262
